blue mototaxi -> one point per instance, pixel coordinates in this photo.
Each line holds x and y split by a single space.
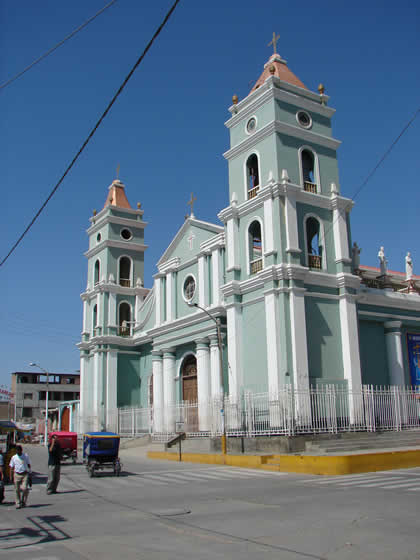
100 452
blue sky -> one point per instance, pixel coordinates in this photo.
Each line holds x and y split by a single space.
167 133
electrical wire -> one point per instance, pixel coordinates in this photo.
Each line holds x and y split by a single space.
19 74
92 132
373 171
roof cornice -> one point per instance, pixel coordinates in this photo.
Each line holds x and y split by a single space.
107 244
116 220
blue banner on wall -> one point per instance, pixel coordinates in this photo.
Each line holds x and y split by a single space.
413 346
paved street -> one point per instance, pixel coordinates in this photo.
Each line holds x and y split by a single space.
159 510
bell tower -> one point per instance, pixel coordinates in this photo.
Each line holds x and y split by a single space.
287 234
112 298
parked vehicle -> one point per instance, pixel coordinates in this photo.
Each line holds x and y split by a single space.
68 444
100 452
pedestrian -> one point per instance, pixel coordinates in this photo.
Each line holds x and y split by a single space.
54 465
20 469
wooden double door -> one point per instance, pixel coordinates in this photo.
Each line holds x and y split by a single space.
190 393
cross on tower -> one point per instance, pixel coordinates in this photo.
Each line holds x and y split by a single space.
274 42
118 171
191 203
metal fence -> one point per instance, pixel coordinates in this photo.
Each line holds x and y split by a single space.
322 409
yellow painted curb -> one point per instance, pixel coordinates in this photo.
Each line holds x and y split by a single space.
304 464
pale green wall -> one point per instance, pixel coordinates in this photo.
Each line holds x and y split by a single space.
128 380
254 345
324 340
373 356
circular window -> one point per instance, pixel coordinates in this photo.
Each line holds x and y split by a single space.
251 125
304 119
126 234
98 237
189 288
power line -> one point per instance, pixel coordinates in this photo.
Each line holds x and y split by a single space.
373 171
2 86
85 143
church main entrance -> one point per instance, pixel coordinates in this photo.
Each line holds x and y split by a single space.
189 379
190 393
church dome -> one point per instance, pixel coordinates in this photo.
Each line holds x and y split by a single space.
277 66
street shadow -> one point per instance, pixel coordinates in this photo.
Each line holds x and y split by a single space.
41 529
70 491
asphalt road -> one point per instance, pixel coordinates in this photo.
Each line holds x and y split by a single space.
165 510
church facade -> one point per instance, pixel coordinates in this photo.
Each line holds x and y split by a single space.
272 295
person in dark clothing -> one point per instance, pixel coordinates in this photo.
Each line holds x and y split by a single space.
54 465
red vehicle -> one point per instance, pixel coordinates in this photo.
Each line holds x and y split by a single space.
68 444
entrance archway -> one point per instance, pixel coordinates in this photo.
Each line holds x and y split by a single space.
189 379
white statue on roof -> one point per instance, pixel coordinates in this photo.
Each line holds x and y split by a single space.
383 263
408 266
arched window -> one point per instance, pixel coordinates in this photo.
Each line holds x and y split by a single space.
308 171
255 247
94 318
97 272
124 320
125 272
314 246
252 176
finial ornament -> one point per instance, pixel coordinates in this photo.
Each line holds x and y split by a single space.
274 42
408 267
235 99
191 203
138 205
94 212
321 89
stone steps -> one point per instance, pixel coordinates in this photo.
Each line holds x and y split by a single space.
364 441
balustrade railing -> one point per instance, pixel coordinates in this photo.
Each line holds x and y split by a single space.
309 187
252 193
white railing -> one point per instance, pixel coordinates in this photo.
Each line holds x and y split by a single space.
322 409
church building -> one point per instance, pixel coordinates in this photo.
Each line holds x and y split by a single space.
271 295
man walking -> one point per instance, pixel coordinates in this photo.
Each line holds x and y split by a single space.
20 468
54 465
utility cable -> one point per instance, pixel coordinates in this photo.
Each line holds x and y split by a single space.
373 171
85 143
19 74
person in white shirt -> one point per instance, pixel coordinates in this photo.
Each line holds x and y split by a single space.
20 467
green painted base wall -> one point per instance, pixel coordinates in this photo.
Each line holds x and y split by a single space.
373 356
128 380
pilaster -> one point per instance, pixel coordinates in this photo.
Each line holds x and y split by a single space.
216 276
216 388
272 338
111 390
157 367
394 352
234 344
203 382
169 389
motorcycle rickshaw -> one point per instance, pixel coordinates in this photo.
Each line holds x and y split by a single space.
68 444
100 452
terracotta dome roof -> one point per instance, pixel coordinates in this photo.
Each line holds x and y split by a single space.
281 70
116 195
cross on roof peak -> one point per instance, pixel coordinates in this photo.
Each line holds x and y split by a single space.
274 42
191 203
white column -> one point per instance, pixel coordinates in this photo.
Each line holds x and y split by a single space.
299 339
157 392
350 342
272 338
232 244
158 301
215 261
234 344
216 388
169 296
97 390
112 310
341 243
100 320
111 391
268 227
169 389
85 317
83 393
394 352
202 281
292 238
203 383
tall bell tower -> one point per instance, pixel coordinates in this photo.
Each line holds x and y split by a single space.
112 298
